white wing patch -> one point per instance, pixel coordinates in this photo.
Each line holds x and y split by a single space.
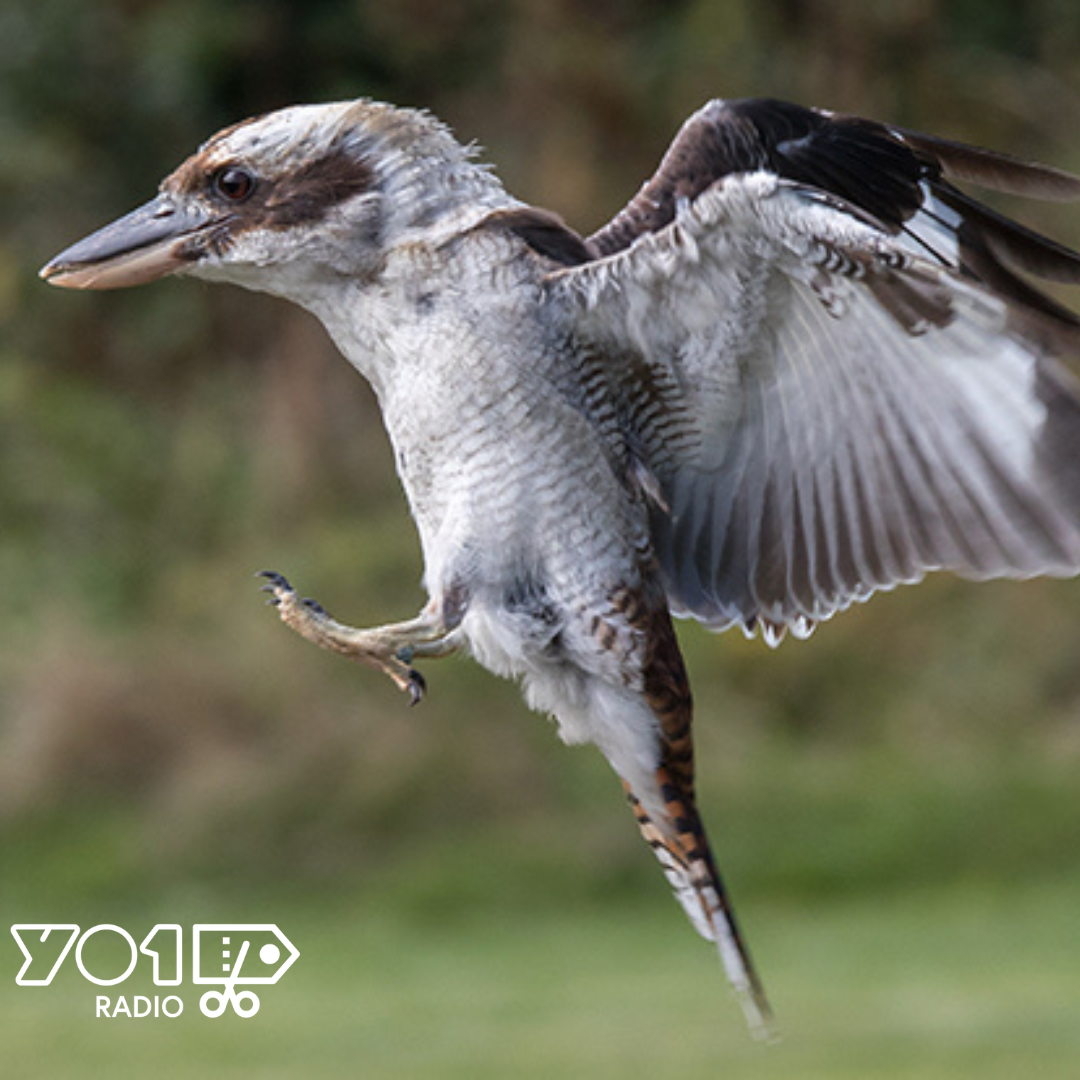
829 409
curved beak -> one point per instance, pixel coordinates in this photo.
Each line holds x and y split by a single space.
142 246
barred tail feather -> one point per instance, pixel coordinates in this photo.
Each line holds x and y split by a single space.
664 806
689 868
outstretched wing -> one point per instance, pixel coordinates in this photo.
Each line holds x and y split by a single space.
830 374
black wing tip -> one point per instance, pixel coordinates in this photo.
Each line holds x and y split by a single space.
995 169
877 167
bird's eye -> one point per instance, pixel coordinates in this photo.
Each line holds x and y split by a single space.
233 184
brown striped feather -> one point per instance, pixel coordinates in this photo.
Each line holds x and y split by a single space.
678 838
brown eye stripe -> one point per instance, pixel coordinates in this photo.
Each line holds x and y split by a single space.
306 195
303 196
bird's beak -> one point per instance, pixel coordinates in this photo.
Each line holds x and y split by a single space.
142 246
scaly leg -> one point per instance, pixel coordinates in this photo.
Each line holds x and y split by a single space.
389 649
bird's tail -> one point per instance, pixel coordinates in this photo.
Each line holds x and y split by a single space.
664 801
679 841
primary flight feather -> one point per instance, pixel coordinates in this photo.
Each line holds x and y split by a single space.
799 366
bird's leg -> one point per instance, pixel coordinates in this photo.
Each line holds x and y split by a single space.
389 649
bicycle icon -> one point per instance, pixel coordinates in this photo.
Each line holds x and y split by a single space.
213 951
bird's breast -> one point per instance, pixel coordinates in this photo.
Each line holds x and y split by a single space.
509 483
507 453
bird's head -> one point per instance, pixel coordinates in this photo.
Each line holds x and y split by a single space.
287 201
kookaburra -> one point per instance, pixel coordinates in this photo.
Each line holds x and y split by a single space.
799 366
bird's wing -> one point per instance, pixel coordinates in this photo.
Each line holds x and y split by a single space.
830 377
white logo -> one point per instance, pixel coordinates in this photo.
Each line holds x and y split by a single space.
228 954
216 940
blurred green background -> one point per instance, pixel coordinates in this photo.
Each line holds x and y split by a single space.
895 801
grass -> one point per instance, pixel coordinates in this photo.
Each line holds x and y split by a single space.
923 928
939 983
470 899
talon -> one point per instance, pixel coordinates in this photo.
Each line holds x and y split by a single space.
276 581
389 649
417 686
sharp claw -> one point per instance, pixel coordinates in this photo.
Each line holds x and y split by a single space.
276 580
277 585
283 595
417 686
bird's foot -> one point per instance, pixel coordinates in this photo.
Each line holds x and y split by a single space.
389 649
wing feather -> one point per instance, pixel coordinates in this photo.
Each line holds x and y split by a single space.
838 402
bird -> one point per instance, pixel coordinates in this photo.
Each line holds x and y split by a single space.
801 365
